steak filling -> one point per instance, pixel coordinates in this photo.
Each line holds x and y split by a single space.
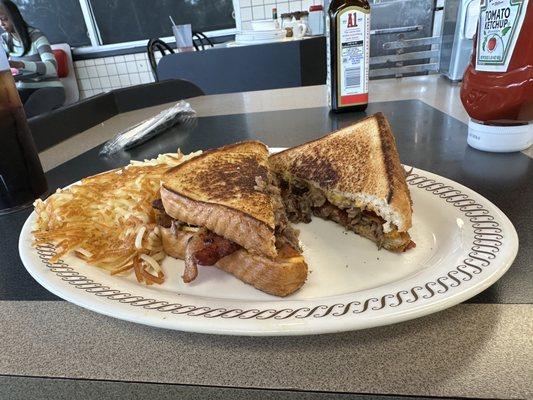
302 201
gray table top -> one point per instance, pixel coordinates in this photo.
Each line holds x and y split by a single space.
479 349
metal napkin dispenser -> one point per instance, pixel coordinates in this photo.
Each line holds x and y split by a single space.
459 29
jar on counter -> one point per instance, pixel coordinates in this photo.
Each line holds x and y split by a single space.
316 20
286 20
295 23
302 16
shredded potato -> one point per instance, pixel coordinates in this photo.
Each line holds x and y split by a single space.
107 220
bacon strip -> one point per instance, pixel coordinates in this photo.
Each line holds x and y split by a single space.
410 245
205 248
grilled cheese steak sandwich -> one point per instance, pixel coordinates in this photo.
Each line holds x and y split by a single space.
224 208
353 177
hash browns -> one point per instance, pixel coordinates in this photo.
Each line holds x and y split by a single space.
107 220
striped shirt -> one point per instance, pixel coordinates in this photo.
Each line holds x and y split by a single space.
39 61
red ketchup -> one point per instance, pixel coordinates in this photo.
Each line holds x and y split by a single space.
497 88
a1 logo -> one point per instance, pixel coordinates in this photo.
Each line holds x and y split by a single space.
352 20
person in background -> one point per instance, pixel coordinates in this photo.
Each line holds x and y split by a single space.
29 51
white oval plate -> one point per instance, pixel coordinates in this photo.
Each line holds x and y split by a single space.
464 244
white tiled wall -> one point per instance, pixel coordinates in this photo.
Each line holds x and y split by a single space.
262 9
104 74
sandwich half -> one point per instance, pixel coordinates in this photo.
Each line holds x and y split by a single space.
224 208
353 177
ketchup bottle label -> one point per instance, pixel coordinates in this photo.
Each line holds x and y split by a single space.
500 23
353 53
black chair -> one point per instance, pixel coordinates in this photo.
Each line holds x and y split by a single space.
201 38
54 127
153 46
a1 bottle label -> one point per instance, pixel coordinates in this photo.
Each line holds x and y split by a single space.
500 22
353 54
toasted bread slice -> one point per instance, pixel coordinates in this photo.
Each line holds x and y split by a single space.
359 164
280 276
356 168
217 190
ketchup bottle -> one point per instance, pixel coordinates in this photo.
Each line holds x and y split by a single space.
497 88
